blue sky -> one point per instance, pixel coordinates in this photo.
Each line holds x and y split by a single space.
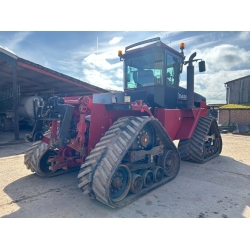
78 54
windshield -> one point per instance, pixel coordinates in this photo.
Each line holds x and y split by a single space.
144 70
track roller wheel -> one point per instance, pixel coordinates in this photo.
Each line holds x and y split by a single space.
136 183
169 162
217 146
147 177
120 183
157 173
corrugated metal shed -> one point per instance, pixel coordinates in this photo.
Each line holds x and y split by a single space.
34 78
238 90
20 77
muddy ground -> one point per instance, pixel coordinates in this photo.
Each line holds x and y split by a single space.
217 189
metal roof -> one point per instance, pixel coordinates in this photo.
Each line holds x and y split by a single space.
34 78
241 78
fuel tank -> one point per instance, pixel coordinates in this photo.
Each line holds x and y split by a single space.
26 106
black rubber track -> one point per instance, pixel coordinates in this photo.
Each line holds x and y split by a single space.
95 174
33 156
193 149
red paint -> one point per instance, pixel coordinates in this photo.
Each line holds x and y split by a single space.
54 129
101 120
179 124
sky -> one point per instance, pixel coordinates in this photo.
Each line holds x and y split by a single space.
91 56
87 50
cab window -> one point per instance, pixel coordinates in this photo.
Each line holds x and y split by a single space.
173 70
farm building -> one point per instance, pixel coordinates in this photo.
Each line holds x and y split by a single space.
237 110
20 79
238 90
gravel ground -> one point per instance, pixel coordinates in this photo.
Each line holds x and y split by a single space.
219 188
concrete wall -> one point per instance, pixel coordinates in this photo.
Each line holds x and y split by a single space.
234 116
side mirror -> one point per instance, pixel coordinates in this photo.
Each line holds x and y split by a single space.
202 66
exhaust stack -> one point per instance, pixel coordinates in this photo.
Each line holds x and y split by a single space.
190 81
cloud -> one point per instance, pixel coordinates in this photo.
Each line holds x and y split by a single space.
18 38
225 57
111 54
97 62
166 34
211 85
224 62
245 35
99 72
115 40
102 80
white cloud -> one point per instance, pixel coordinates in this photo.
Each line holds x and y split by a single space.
224 57
111 54
214 90
244 35
94 61
119 73
224 63
115 40
99 72
101 80
166 34
18 37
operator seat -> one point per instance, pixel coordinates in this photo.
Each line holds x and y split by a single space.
145 77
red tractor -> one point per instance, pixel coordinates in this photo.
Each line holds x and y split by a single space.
123 142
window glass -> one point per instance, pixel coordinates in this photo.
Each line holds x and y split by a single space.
173 70
144 70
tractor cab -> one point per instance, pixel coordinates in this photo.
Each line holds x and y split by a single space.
154 68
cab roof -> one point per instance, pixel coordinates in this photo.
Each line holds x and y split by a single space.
158 44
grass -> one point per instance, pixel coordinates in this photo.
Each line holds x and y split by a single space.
236 106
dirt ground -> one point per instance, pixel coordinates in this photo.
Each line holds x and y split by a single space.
219 188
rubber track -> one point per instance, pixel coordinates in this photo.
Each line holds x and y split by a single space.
95 174
192 149
34 154
183 147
